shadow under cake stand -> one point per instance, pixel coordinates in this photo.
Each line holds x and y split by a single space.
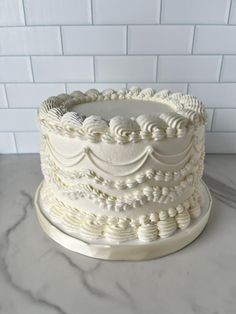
131 250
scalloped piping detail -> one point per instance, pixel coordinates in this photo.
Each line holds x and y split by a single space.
146 228
189 113
87 152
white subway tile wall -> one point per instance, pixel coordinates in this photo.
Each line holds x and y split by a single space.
55 12
229 69
32 94
18 120
7 143
99 86
215 95
3 97
224 120
11 13
127 68
63 69
232 16
195 11
97 40
27 142
15 69
221 142
49 47
174 87
30 40
209 119
189 68
126 11
215 40
161 39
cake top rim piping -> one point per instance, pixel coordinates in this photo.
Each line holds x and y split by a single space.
54 113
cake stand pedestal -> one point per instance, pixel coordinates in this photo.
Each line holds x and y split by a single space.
132 250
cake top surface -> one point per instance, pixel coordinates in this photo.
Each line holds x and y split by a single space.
120 116
122 107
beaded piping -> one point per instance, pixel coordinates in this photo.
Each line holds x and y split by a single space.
146 228
51 170
156 194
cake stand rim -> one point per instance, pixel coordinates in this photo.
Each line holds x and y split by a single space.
124 251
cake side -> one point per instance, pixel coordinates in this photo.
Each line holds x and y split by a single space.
125 178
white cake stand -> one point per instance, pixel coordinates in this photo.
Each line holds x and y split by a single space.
133 250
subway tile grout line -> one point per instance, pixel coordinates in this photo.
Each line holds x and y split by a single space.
119 82
147 82
91 11
220 70
118 24
13 109
193 42
187 88
15 142
120 55
229 13
112 82
23 6
127 42
6 95
221 132
94 69
212 120
61 38
157 68
32 70
20 132
160 15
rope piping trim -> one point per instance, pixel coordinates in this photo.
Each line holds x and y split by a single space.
54 115
137 199
146 227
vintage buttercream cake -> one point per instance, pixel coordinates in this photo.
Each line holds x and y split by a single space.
122 172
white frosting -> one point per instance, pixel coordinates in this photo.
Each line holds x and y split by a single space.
118 234
166 227
91 230
116 230
129 108
71 223
60 177
187 112
183 219
127 177
136 199
72 120
147 232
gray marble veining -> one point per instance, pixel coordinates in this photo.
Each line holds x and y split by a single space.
37 276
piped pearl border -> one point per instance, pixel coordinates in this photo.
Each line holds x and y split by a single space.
51 170
146 228
149 194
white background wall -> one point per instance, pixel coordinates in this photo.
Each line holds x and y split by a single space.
49 47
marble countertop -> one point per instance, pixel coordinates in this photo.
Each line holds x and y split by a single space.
38 276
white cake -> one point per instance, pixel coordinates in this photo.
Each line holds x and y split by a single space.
121 169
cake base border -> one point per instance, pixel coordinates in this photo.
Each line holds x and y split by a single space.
129 251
